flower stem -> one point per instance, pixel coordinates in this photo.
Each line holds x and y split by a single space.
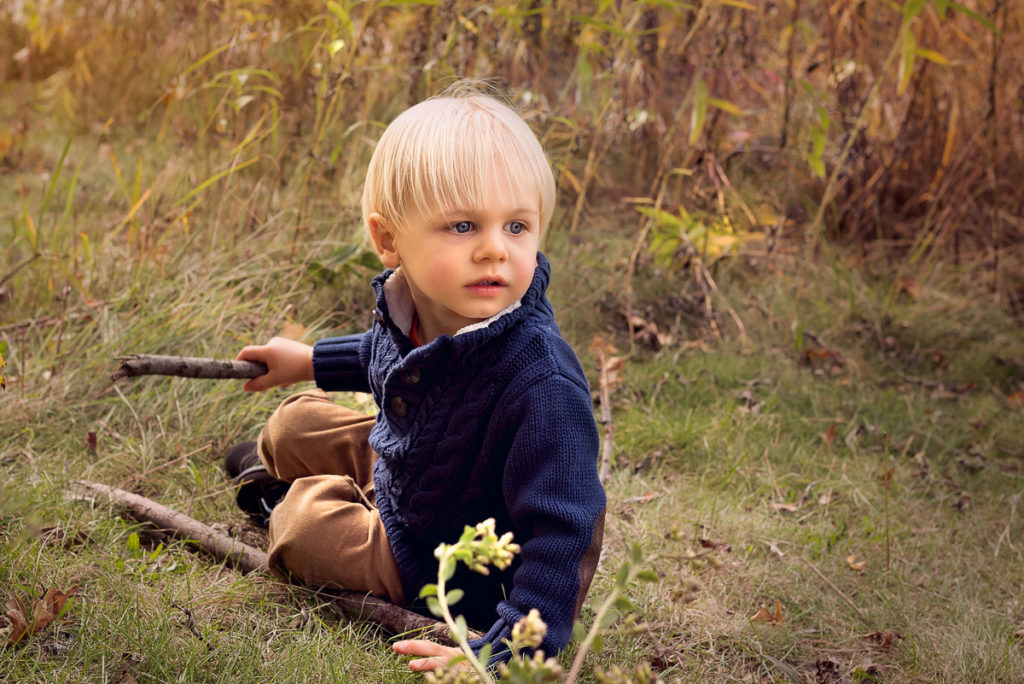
450 621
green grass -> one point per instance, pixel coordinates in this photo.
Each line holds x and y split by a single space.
899 446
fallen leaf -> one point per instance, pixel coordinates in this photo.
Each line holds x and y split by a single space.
292 330
885 638
90 440
609 364
827 671
599 345
855 564
823 361
768 616
646 332
774 548
641 499
829 435
43 613
17 624
708 544
789 507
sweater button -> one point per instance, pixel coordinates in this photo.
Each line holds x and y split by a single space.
399 407
410 376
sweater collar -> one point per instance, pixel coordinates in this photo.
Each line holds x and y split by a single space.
395 309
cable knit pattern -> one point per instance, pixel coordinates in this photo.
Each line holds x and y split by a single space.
495 421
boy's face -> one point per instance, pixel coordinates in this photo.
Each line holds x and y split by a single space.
465 264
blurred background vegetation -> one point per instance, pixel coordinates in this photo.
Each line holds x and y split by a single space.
889 126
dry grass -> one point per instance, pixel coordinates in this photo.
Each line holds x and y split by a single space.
869 411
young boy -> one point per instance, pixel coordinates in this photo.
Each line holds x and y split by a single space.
484 409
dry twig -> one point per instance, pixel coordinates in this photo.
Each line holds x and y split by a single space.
833 587
392 618
608 428
187 367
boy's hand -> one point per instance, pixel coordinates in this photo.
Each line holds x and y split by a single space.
435 654
287 362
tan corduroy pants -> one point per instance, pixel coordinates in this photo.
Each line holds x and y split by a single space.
327 531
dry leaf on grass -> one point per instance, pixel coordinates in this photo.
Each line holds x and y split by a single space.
768 616
644 498
608 363
827 671
788 507
647 332
23 620
885 638
710 544
854 563
292 330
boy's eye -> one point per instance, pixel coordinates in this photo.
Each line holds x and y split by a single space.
516 227
461 227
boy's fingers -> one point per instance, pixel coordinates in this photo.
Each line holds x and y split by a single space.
421 647
427 664
438 655
250 353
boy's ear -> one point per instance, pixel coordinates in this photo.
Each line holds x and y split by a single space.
383 239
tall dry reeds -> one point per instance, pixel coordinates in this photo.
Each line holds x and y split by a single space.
892 125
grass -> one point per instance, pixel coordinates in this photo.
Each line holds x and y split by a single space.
740 465
854 458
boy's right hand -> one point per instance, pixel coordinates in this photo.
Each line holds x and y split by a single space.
287 362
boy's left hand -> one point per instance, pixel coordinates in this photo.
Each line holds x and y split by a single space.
432 655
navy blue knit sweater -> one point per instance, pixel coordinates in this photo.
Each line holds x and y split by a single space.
494 422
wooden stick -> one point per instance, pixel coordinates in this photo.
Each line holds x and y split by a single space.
187 367
606 417
833 587
392 618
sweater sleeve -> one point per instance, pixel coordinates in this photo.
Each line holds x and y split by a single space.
340 363
555 499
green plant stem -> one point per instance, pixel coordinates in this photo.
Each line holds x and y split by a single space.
595 628
459 638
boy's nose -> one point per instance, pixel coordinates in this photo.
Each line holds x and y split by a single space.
491 246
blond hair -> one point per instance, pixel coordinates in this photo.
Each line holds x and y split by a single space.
442 153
